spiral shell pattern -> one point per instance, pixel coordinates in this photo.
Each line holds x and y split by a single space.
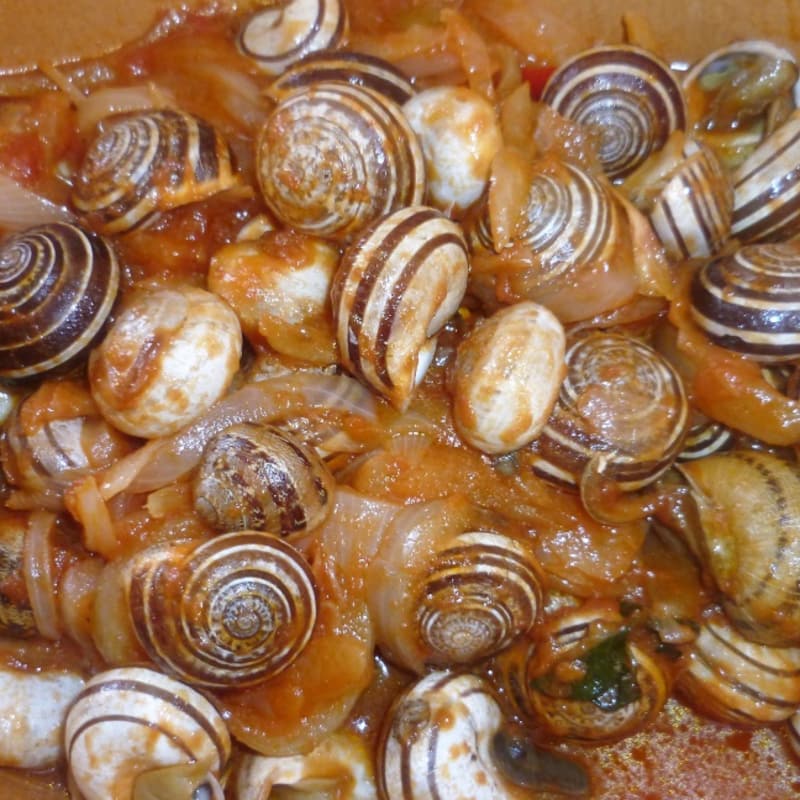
58 284
394 290
740 681
148 162
622 407
766 188
334 157
229 612
749 301
359 69
692 214
625 94
255 477
480 594
277 36
128 721
704 439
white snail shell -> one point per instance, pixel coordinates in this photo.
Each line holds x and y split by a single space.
232 611
128 722
280 34
169 355
333 157
508 371
149 162
58 284
396 287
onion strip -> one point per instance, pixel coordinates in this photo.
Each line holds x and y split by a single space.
21 208
37 567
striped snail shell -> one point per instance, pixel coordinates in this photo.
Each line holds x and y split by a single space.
766 187
232 611
704 438
128 726
277 36
749 301
624 94
334 157
749 542
58 284
395 288
621 411
16 614
256 477
736 680
444 737
345 66
148 162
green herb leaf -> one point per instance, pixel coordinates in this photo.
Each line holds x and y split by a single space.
609 682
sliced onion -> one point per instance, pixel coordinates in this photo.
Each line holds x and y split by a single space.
21 208
37 566
110 100
86 503
76 594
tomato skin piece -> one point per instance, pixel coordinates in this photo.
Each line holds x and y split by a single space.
536 76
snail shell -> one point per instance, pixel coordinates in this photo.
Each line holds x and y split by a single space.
508 370
739 681
705 438
749 301
766 187
624 94
147 162
621 410
396 287
255 477
749 506
129 722
58 284
793 728
334 157
282 33
359 69
232 611
16 615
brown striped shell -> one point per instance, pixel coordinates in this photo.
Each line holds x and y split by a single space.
334 157
231 611
749 301
704 438
766 186
256 477
280 34
16 615
626 96
749 542
131 725
739 681
360 69
622 412
396 287
58 284
148 162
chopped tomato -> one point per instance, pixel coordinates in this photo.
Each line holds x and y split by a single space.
537 75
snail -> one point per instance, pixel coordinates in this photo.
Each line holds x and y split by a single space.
585 676
148 162
132 730
396 287
169 355
256 477
749 301
749 542
624 95
733 679
704 438
333 157
16 615
687 195
280 34
793 728
621 415
446 588
232 611
460 135
507 374
360 69
445 737
58 285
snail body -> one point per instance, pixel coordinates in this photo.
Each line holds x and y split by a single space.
255 477
231 611
131 725
58 284
150 162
